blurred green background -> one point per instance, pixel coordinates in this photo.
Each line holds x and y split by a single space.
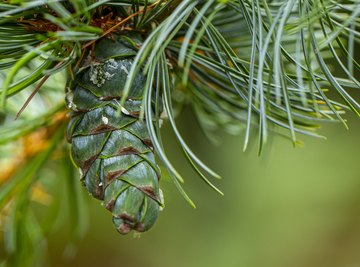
289 207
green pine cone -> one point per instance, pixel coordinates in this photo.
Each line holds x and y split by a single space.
114 153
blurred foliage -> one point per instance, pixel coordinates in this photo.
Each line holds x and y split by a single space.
39 189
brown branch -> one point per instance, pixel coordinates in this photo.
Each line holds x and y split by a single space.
120 24
31 96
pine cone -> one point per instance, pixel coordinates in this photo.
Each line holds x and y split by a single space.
114 153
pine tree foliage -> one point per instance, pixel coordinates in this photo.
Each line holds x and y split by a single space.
264 67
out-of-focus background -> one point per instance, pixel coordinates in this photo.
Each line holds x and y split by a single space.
290 207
